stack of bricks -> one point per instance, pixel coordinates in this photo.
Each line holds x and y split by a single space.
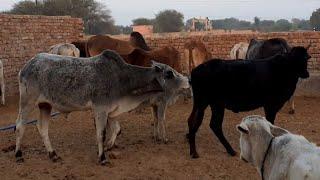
220 45
22 37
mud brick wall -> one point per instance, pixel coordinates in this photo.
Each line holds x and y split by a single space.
21 37
220 44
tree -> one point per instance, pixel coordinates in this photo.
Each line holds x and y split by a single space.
230 23
142 21
282 25
96 17
257 23
300 24
124 29
169 21
315 19
266 25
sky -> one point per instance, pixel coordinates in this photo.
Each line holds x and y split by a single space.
123 11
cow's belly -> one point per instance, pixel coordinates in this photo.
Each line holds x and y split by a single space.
66 106
244 104
124 105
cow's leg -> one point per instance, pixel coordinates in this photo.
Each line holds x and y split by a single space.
43 127
3 102
101 125
216 126
291 103
156 133
113 130
161 120
271 112
25 108
2 90
194 122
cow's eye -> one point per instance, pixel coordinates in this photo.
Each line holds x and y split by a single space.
169 75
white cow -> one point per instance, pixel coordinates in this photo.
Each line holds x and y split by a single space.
2 85
276 153
64 49
239 51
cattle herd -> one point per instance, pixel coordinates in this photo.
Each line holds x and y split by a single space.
110 77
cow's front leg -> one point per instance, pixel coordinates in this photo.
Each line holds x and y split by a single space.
156 134
161 120
101 120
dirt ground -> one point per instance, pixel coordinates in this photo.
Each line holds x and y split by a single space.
140 158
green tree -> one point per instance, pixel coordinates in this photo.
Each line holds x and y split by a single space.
282 25
315 19
266 25
231 23
169 21
300 24
124 29
96 16
142 21
257 23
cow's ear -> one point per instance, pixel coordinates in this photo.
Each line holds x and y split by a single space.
153 62
243 128
253 41
158 68
277 131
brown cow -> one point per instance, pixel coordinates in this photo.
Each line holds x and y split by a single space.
133 55
196 53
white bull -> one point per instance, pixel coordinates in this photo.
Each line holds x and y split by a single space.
276 153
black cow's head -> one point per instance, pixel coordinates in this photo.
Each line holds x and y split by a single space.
300 56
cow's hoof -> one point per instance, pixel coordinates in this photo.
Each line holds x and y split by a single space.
54 157
195 155
19 160
232 153
292 111
105 162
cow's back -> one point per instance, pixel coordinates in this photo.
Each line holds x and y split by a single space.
240 85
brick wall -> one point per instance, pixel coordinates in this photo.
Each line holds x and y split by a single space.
221 44
21 37
143 29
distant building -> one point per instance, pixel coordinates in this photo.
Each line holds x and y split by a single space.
143 29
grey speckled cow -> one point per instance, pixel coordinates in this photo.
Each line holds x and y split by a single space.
175 85
103 83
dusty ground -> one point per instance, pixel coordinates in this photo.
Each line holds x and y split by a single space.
140 158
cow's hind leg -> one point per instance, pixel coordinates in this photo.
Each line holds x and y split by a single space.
216 126
43 128
194 122
25 108
101 125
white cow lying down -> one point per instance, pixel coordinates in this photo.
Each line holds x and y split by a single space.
276 153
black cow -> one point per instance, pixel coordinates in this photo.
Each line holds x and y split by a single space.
260 49
242 86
